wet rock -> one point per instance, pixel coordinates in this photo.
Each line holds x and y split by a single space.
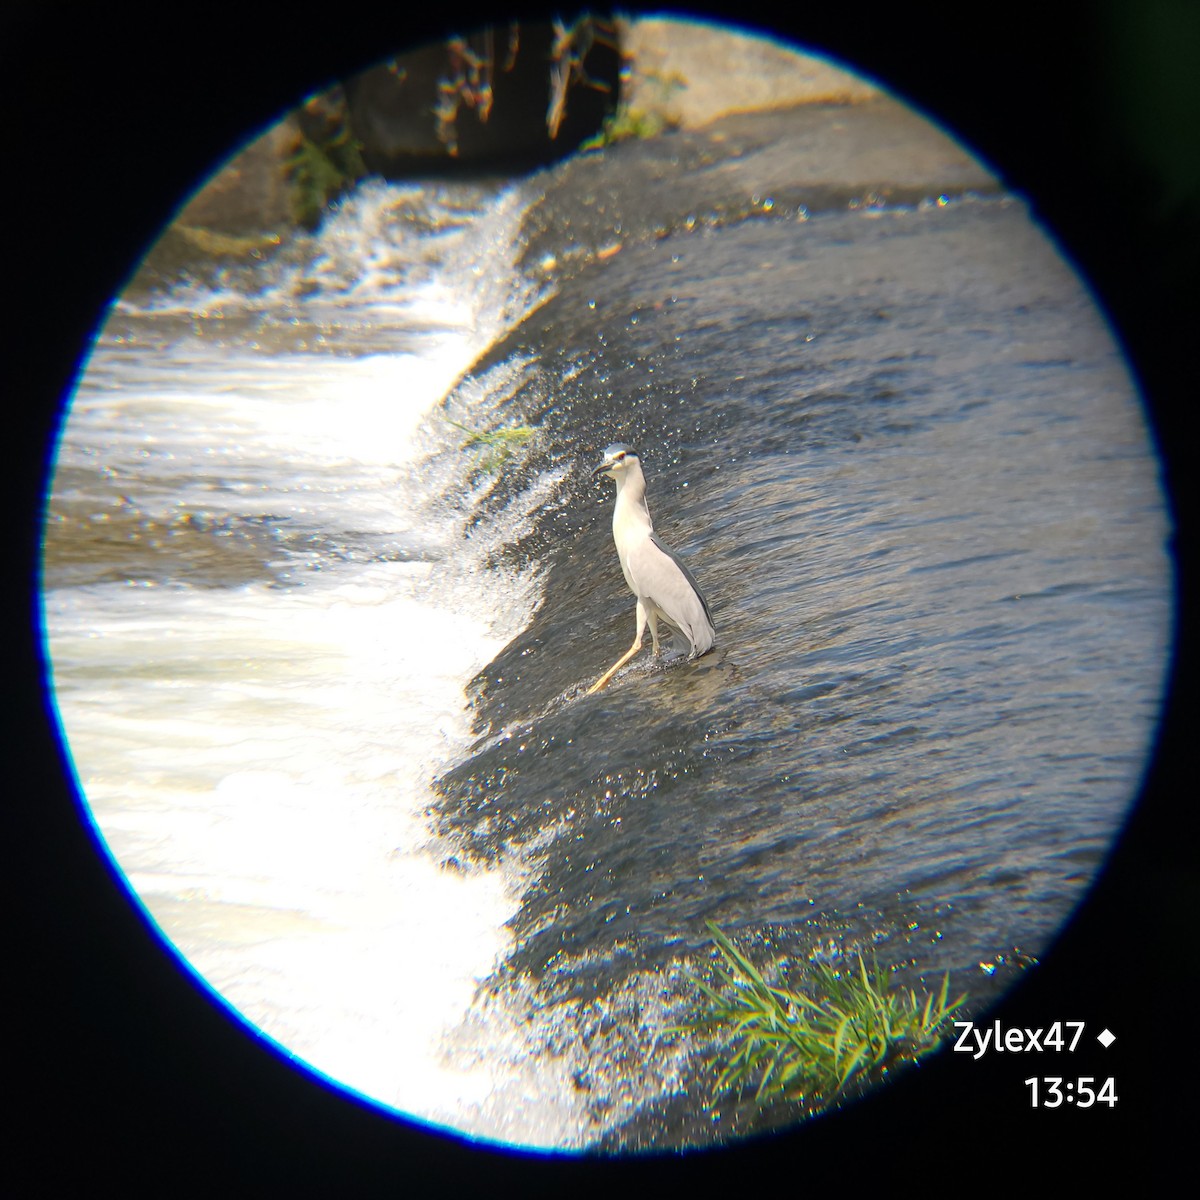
252 192
688 73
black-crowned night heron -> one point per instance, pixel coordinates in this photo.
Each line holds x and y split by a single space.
664 587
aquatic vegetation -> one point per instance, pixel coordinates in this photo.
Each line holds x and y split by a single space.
326 162
624 124
498 445
632 122
845 1030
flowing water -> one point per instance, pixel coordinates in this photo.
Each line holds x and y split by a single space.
321 658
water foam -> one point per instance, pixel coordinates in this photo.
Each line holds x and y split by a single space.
257 759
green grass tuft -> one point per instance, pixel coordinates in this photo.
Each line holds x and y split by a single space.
629 123
321 169
846 1030
498 445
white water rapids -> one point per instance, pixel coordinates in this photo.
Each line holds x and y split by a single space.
258 758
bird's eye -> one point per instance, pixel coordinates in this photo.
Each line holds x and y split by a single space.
620 456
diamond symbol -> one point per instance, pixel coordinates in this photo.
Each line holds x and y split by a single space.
1106 1039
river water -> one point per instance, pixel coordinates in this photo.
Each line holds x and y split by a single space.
320 658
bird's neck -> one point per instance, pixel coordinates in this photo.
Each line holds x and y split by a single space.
631 508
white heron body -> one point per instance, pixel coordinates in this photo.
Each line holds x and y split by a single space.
664 587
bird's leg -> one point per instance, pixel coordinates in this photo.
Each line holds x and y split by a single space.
652 617
637 645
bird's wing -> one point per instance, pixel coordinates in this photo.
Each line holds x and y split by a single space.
662 546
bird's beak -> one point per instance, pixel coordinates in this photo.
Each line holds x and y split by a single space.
604 466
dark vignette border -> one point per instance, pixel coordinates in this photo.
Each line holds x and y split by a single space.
125 1074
